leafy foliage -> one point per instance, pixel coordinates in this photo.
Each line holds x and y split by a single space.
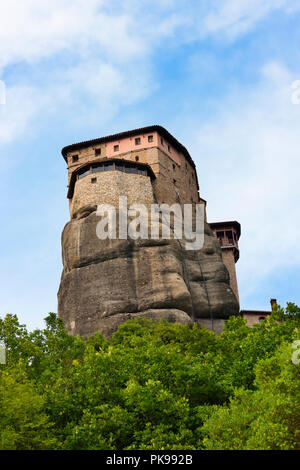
154 385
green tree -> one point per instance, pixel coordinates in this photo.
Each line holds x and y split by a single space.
267 418
154 385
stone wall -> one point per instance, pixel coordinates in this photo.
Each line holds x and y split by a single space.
253 318
175 183
176 179
107 189
86 155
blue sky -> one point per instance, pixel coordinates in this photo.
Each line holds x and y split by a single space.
217 74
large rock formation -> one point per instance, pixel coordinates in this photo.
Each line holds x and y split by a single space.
106 282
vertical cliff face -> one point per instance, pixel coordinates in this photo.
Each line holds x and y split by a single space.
106 282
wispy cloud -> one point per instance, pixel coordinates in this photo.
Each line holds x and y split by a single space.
20 106
233 18
103 48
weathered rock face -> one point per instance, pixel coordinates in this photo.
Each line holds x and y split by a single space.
106 282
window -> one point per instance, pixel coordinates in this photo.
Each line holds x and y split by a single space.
169 148
75 158
108 166
119 167
174 166
136 159
229 236
97 168
137 141
130 169
83 173
127 167
97 152
220 236
261 319
174 181
116 148
162 141
150 138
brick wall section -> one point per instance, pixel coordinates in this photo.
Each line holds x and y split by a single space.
253 319
108 187
172 177
228 260
86 155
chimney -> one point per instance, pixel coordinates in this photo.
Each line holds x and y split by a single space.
273 302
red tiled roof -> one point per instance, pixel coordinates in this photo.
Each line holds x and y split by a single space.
255 312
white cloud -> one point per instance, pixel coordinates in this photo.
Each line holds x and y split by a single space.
21 105
109 86
119 30
31 30
110 47
249 170
234 17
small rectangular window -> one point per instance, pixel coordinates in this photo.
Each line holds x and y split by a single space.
174 166
75 158
97 169
97 152
130 169
169 148
137 141
229 236
93 180
150 138
162 141
116 148
84 173
108 166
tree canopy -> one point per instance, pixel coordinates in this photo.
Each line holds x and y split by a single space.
154 385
